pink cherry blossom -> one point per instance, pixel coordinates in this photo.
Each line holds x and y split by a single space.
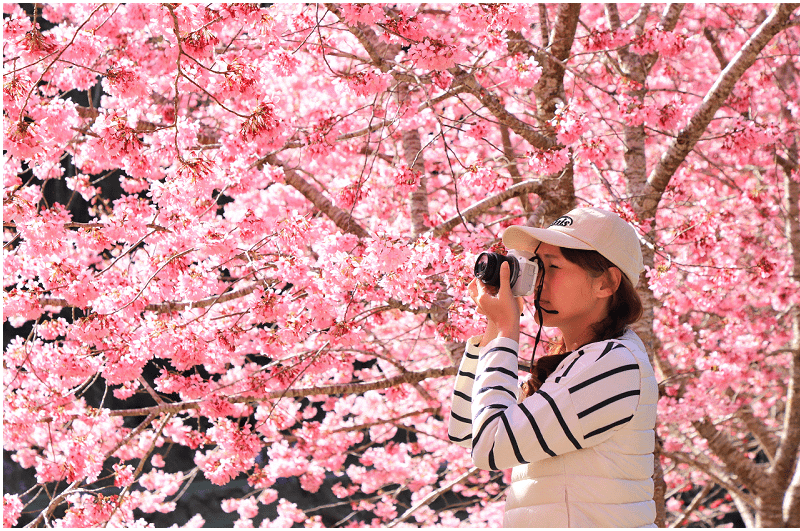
434 54
547 162
12 508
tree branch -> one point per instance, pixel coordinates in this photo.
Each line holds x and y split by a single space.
718 53
531 186
713 472
544 24
564 30
495 106
35 85
341 218
752 475
550 87
693 505
167 307
369 40
756 426
351 388
687 138
670 16
157 271
432 496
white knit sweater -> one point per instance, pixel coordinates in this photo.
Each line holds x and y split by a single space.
581 446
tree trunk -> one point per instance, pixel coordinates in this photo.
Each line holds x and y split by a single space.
636 68
778 505
418 202
549 92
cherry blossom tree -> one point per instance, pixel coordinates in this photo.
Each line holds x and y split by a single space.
272 217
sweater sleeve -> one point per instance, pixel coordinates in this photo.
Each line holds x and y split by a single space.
459 429
580 405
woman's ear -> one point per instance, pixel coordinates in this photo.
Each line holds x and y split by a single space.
608 283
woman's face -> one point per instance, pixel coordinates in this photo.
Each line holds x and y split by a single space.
572 299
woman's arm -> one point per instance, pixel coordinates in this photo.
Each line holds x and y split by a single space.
459 429
582 404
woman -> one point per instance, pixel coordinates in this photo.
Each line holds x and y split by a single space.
580 433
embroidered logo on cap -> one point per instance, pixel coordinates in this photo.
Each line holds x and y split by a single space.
563 221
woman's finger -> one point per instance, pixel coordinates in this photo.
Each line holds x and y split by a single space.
474 293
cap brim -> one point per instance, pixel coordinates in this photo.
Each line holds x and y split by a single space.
527 238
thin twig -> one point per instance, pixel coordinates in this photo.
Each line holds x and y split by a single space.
165 264
431 497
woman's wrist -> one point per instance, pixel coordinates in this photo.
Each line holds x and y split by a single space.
510 332
490 334
508 329
508 326
495 330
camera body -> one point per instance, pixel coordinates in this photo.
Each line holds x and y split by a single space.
523 271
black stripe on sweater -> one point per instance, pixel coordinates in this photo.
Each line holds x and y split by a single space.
503 370
606 402
489 406
465 396
459 439
496 388
558 378
537 431
467 374
499 349
513 440
595 379
483 427
560 419
459 418
598 431
609 347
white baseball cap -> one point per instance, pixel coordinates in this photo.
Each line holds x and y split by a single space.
587 229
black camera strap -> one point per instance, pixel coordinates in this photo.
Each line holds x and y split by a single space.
537 304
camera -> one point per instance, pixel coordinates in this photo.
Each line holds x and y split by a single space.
523 271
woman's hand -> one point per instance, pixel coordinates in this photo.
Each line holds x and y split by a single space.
501 308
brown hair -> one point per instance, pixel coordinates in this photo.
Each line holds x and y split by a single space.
625 309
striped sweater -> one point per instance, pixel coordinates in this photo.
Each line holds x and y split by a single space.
591 423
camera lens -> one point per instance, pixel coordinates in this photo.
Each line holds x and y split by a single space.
487 268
